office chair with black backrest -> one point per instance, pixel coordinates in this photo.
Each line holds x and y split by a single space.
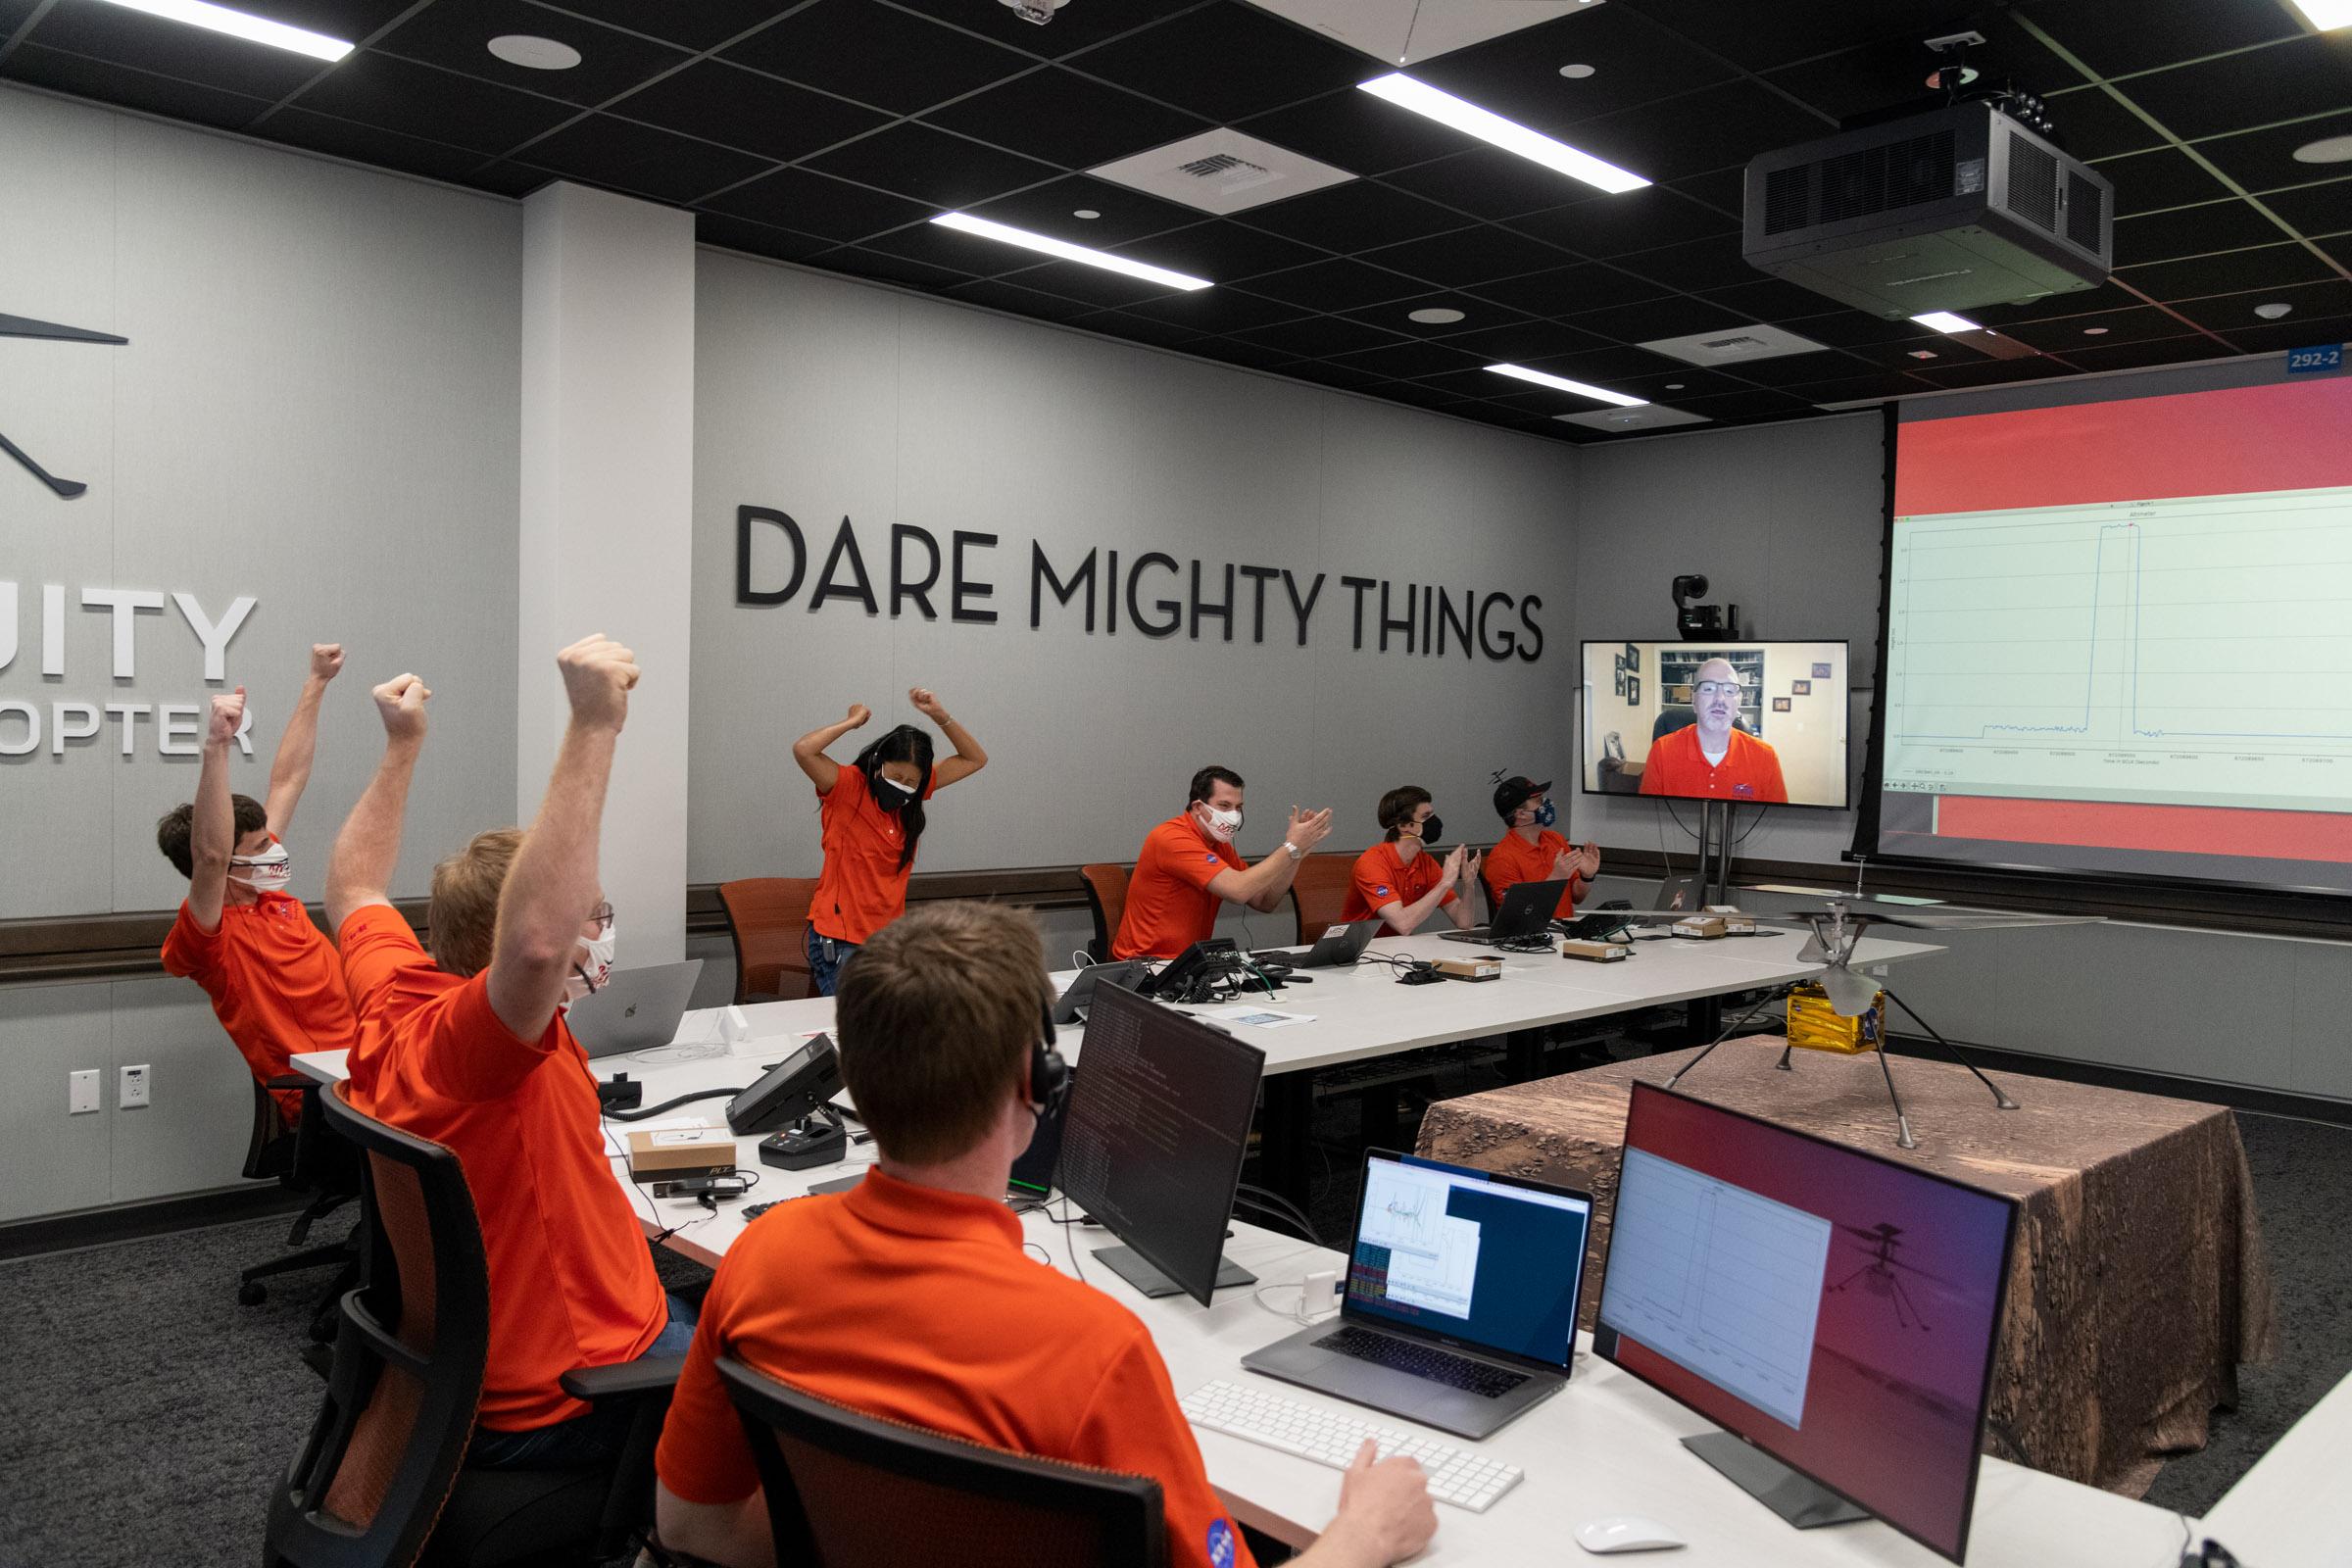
381 1481
768 916
1106 901
847 1490
1319 893
308 1159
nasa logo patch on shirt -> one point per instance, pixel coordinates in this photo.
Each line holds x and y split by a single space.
1383 891
1220 1543
1211 859
1748 789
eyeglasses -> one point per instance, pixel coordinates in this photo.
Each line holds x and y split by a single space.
1716 688
601 917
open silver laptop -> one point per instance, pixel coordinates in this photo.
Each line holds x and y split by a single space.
1460 1307
636 1011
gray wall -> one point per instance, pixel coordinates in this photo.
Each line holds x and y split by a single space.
824 398
318 406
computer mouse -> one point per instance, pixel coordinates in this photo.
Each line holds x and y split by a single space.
1625 1531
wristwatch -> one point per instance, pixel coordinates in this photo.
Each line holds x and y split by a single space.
1297 853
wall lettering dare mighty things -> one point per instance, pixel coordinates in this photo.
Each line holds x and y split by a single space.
1147 592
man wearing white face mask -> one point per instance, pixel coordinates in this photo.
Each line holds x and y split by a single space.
467 1046
1188 866
272 978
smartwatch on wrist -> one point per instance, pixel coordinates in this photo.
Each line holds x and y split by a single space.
1297 853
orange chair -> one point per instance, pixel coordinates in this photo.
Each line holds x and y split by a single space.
768 916
1106 901
1319 893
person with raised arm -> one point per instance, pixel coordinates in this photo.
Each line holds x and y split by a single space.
1187 867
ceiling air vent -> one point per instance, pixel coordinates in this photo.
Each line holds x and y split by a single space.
1227 174
1222 171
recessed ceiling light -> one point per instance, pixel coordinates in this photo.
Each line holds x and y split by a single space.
1947 322
2326 150
1923 354
237 24
1068 252
1576 73
535 53
1434 316
1087 213
2273 311
2094 331
1674 387
1487 127
1563 384
2326 15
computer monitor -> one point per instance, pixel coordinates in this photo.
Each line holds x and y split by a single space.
1754 723
1833 1311
1153 1141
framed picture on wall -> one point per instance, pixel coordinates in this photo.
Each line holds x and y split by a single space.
1800 688
1632 657
1621 680
1633 690
1779 705
1820 672
1620 664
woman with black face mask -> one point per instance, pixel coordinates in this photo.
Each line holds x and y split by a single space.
872 815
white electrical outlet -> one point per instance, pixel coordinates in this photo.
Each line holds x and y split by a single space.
133 1090
82 1091
1879 970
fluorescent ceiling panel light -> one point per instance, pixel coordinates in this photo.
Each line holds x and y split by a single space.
967 223
2326 15
237 24
1563 384
1487 127
1947 322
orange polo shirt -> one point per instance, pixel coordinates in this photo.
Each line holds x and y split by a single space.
1381 874
1515 860
1750 770
919 1305
571 1282
863 888
275 983
1169 906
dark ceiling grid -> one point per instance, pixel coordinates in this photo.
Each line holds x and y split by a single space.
828 131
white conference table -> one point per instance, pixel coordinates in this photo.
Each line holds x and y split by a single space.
2293 1509
1605 1445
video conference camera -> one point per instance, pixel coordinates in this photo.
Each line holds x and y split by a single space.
1692 622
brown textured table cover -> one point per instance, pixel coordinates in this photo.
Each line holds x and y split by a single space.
2139 1281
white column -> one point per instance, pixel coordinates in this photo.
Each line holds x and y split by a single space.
608 492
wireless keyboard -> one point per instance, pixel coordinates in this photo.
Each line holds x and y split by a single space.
1459 1476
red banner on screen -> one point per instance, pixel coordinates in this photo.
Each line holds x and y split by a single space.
2171 829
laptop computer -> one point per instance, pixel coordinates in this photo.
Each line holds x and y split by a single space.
1129 973
1339 944
637 1010
1526 912
1681 894
1460 1305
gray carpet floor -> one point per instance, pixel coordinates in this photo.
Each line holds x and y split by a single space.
148 1415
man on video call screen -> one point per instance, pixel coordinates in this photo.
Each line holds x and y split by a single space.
1714 759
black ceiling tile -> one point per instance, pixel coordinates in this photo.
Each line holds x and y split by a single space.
120 36
2233 313
1848 328
1335 285
2263 160
627 156
508 177
2315 209
1463 257
876 53
858 261
1075 28
1092 285
2091 123
1487 182
2116 37
1699 132
1478 314
1544 401
1849 388
457 38
1767 299
2224 225
1794 370
1564 290
443 106
1991 373
1326 373
1139 328
1356 131
1355 217
1644 321
2276 337
930 166
718 102
759 239
1517 76
1890 73
2064 334
2150 351
695 24
1472 382
372 144
1422 395
1695 266
2073 302
1207 311
1000 295
1065 119
1731 406
1605 367
2305 76
1636 221
2150 182
1121 213
1684 381
1760 38
132 89
1220 250
1227 61
2194 277
1233 351
1320 336
348 19
14 14
794 198
1406 361
1519 342
1724 189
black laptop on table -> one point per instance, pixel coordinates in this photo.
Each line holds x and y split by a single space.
1338 945
1460 1307
1526 912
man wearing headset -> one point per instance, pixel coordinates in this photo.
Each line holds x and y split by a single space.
911 1297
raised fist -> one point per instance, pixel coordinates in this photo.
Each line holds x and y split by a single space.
598 673
327 661
228 714
859 715
926 703
400 704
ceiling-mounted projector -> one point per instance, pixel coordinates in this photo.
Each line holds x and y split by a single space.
1953 209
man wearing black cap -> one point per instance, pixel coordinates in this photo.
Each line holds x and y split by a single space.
1530 852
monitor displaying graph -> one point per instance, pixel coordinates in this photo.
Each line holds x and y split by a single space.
2115 639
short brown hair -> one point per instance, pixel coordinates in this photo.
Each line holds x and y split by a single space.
934 1017
462 921
176 830
1397 808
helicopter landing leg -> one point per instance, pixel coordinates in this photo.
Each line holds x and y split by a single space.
1999 1098
1902 1123
1776 995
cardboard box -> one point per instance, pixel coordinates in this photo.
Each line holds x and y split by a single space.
681 1152
1470 969
1703 926
1594 951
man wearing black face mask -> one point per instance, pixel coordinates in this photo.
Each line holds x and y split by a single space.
1530 852
1399 880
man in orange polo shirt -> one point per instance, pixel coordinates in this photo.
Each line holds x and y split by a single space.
468 1048
1530 852
274 981
1714 760
1188 865
909 1297
1399 880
